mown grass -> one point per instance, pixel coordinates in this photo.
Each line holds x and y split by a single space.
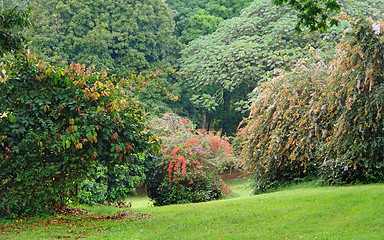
298 213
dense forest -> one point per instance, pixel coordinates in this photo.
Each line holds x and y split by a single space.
171 93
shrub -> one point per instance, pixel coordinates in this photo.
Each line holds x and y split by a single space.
56 123
282 133
187 168
112 185
322 121
354 103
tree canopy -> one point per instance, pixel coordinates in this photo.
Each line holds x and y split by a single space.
201 17
316 15
131 34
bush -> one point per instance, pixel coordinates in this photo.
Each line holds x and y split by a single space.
187 168
322 121
282 134
56 123
112 186
355 99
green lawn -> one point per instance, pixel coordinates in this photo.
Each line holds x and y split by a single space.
298 213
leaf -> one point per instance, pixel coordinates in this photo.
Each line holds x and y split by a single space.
67 144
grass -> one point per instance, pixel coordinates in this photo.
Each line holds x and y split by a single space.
297 213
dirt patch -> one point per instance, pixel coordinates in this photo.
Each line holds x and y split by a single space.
140 189
72 215
225 188
232 175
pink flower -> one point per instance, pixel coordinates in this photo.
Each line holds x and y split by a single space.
200 150
376 27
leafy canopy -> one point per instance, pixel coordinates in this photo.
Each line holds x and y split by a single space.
196 18
129 34
223 67
313 14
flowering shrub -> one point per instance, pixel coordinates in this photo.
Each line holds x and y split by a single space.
281 135
188 165
322 120
58 122
355 106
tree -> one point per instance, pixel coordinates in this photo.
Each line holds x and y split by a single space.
56 123
11 21
132 34
223 67
313 14
201 17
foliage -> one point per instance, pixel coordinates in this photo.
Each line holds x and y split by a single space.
322 120
353 149
201 17
132 34
282 134
112 186
11 21
155 90
223 67
187 167
313 14
56 123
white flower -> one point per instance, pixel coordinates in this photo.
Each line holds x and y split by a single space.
376 28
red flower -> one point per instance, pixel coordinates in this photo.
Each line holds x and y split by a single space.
175 151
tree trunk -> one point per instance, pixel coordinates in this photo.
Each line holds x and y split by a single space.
226 108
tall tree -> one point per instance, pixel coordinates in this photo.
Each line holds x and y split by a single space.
197 18
133 34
